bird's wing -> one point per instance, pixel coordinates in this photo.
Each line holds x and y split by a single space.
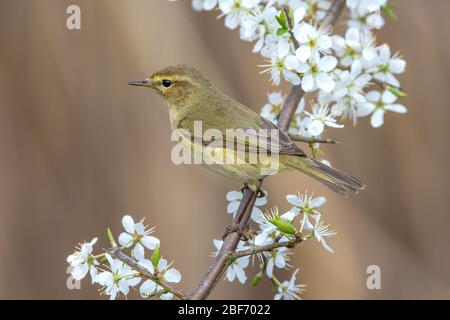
286 144
249 128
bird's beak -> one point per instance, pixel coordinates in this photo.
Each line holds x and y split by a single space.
140 83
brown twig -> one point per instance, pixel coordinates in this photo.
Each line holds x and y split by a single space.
220 262
312 140
218 266
269 247
116 253
333 13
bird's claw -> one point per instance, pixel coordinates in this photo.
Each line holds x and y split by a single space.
260 194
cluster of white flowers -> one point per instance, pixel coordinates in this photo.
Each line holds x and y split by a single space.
273 228
346 76
116 276
345 73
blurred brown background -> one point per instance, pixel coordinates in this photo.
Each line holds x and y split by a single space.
76 151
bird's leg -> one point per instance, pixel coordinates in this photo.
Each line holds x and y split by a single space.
260 194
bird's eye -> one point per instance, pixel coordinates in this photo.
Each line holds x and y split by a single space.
166 83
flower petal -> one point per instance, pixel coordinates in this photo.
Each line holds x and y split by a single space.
377 118
166 296
324 42
308 83
240 274
396 108
325 82
147 288
269 268
162 265
327 63
316 128
125 239
172 275
234 195
233 206
292 77
147 264
303 53
364 109
317 202
150 242
138 252
388 97
294 200
128 223
373 96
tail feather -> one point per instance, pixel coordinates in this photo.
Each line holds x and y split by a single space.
336 180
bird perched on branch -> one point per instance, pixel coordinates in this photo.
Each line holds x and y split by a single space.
191 98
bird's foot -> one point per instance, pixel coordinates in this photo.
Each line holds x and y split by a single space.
260 194
235 228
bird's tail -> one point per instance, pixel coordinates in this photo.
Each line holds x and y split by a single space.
334 179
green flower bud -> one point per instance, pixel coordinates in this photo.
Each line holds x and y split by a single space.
256 279
156 256
396 91
111 237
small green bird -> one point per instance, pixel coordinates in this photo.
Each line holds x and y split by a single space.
190 98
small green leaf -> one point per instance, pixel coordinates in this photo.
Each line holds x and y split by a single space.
399 93
156 256
281 31
389 11
282 20
256 279
111 237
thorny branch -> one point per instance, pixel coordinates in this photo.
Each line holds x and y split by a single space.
219 264
116 253
269 247
312 140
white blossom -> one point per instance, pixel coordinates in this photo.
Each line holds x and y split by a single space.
235 198
271 110
119 278
138 236
276 258
354 46
388 66
283 66
234 10
82 261
321 232
200 5
378 104
236 270
348 94
365 14
321 117
165 272
317 73
307 205
289 290
311 41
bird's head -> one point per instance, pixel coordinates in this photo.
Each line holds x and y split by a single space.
176 84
